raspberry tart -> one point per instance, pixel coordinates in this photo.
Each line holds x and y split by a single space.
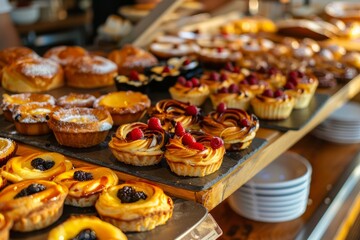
215 80
134 81
232 96
253 84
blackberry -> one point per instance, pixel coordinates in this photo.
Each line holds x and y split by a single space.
31 189
86 234
128 194
41 164
17 117
82 176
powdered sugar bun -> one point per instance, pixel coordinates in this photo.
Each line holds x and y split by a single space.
65 54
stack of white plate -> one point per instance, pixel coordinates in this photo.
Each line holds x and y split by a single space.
342 126
278 193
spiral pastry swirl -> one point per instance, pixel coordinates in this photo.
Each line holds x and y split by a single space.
85 192
170 111
144 214
33 210
141 152
24 167
186 161
235 126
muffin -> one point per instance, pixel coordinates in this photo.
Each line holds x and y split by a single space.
191 91
135 206
138 143
85 184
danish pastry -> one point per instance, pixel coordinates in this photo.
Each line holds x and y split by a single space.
65 54
8 149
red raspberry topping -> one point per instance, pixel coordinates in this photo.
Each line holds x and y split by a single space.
278 93
289 85
223 77
166 69
216 142
186 62
293 74
245 122
229 67
187 139
191 110
181 80
268 93
197 146
219 49
233 88
134 75
195 82
179 129
154 124
214 76
236 69
188 84
272 71
223 90
221 107
135 134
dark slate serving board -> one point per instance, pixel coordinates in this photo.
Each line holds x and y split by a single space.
186 216
299 117
101 155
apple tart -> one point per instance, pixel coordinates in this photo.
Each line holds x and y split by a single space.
235 126
86 227
194 154
80 127
138 143
33 204
5 225
35 166
135 206
85 184
8 149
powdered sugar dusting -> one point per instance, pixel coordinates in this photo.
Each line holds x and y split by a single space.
105 126
7 146
42 68
80 118
99 65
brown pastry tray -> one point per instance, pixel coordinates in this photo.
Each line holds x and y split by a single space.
186 216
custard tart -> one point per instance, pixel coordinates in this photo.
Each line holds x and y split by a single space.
85 184
32 204
10 102
31 118
135 206
8 149
35 166
80 127
235 126
5 225
124 106
72 100
194 154
86 227
138 143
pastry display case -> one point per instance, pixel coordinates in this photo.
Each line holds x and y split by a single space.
142 136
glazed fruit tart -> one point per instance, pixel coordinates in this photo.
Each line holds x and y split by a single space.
80 127
138 143
236 127
135 206
35 166
32 204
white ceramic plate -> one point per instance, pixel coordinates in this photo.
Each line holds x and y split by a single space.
275 191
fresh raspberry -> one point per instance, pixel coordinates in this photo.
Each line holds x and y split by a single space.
134 75
221 107
179 129
181 80
245 122
272 71
154 124
187 139
216 142
188 84
262 69
195 82
214 76
300 74
223 90
293 74
253 80
229 67
223 77
244 82
236 69
292 80
219 49
197 146
191 110
278 93
289 85
166 69
233 88
135 134
268 93
186 62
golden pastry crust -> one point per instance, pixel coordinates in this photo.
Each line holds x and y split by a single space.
132 58
145 151
193 95
124 106
80 127
235 126
32 75
255 87
271 108
8 149
302 97
5 225
75 224
170 111
84 193
10 102
65 55
31 118
186 161
72 100
10 55
90 72
142 215
22 167
32 211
